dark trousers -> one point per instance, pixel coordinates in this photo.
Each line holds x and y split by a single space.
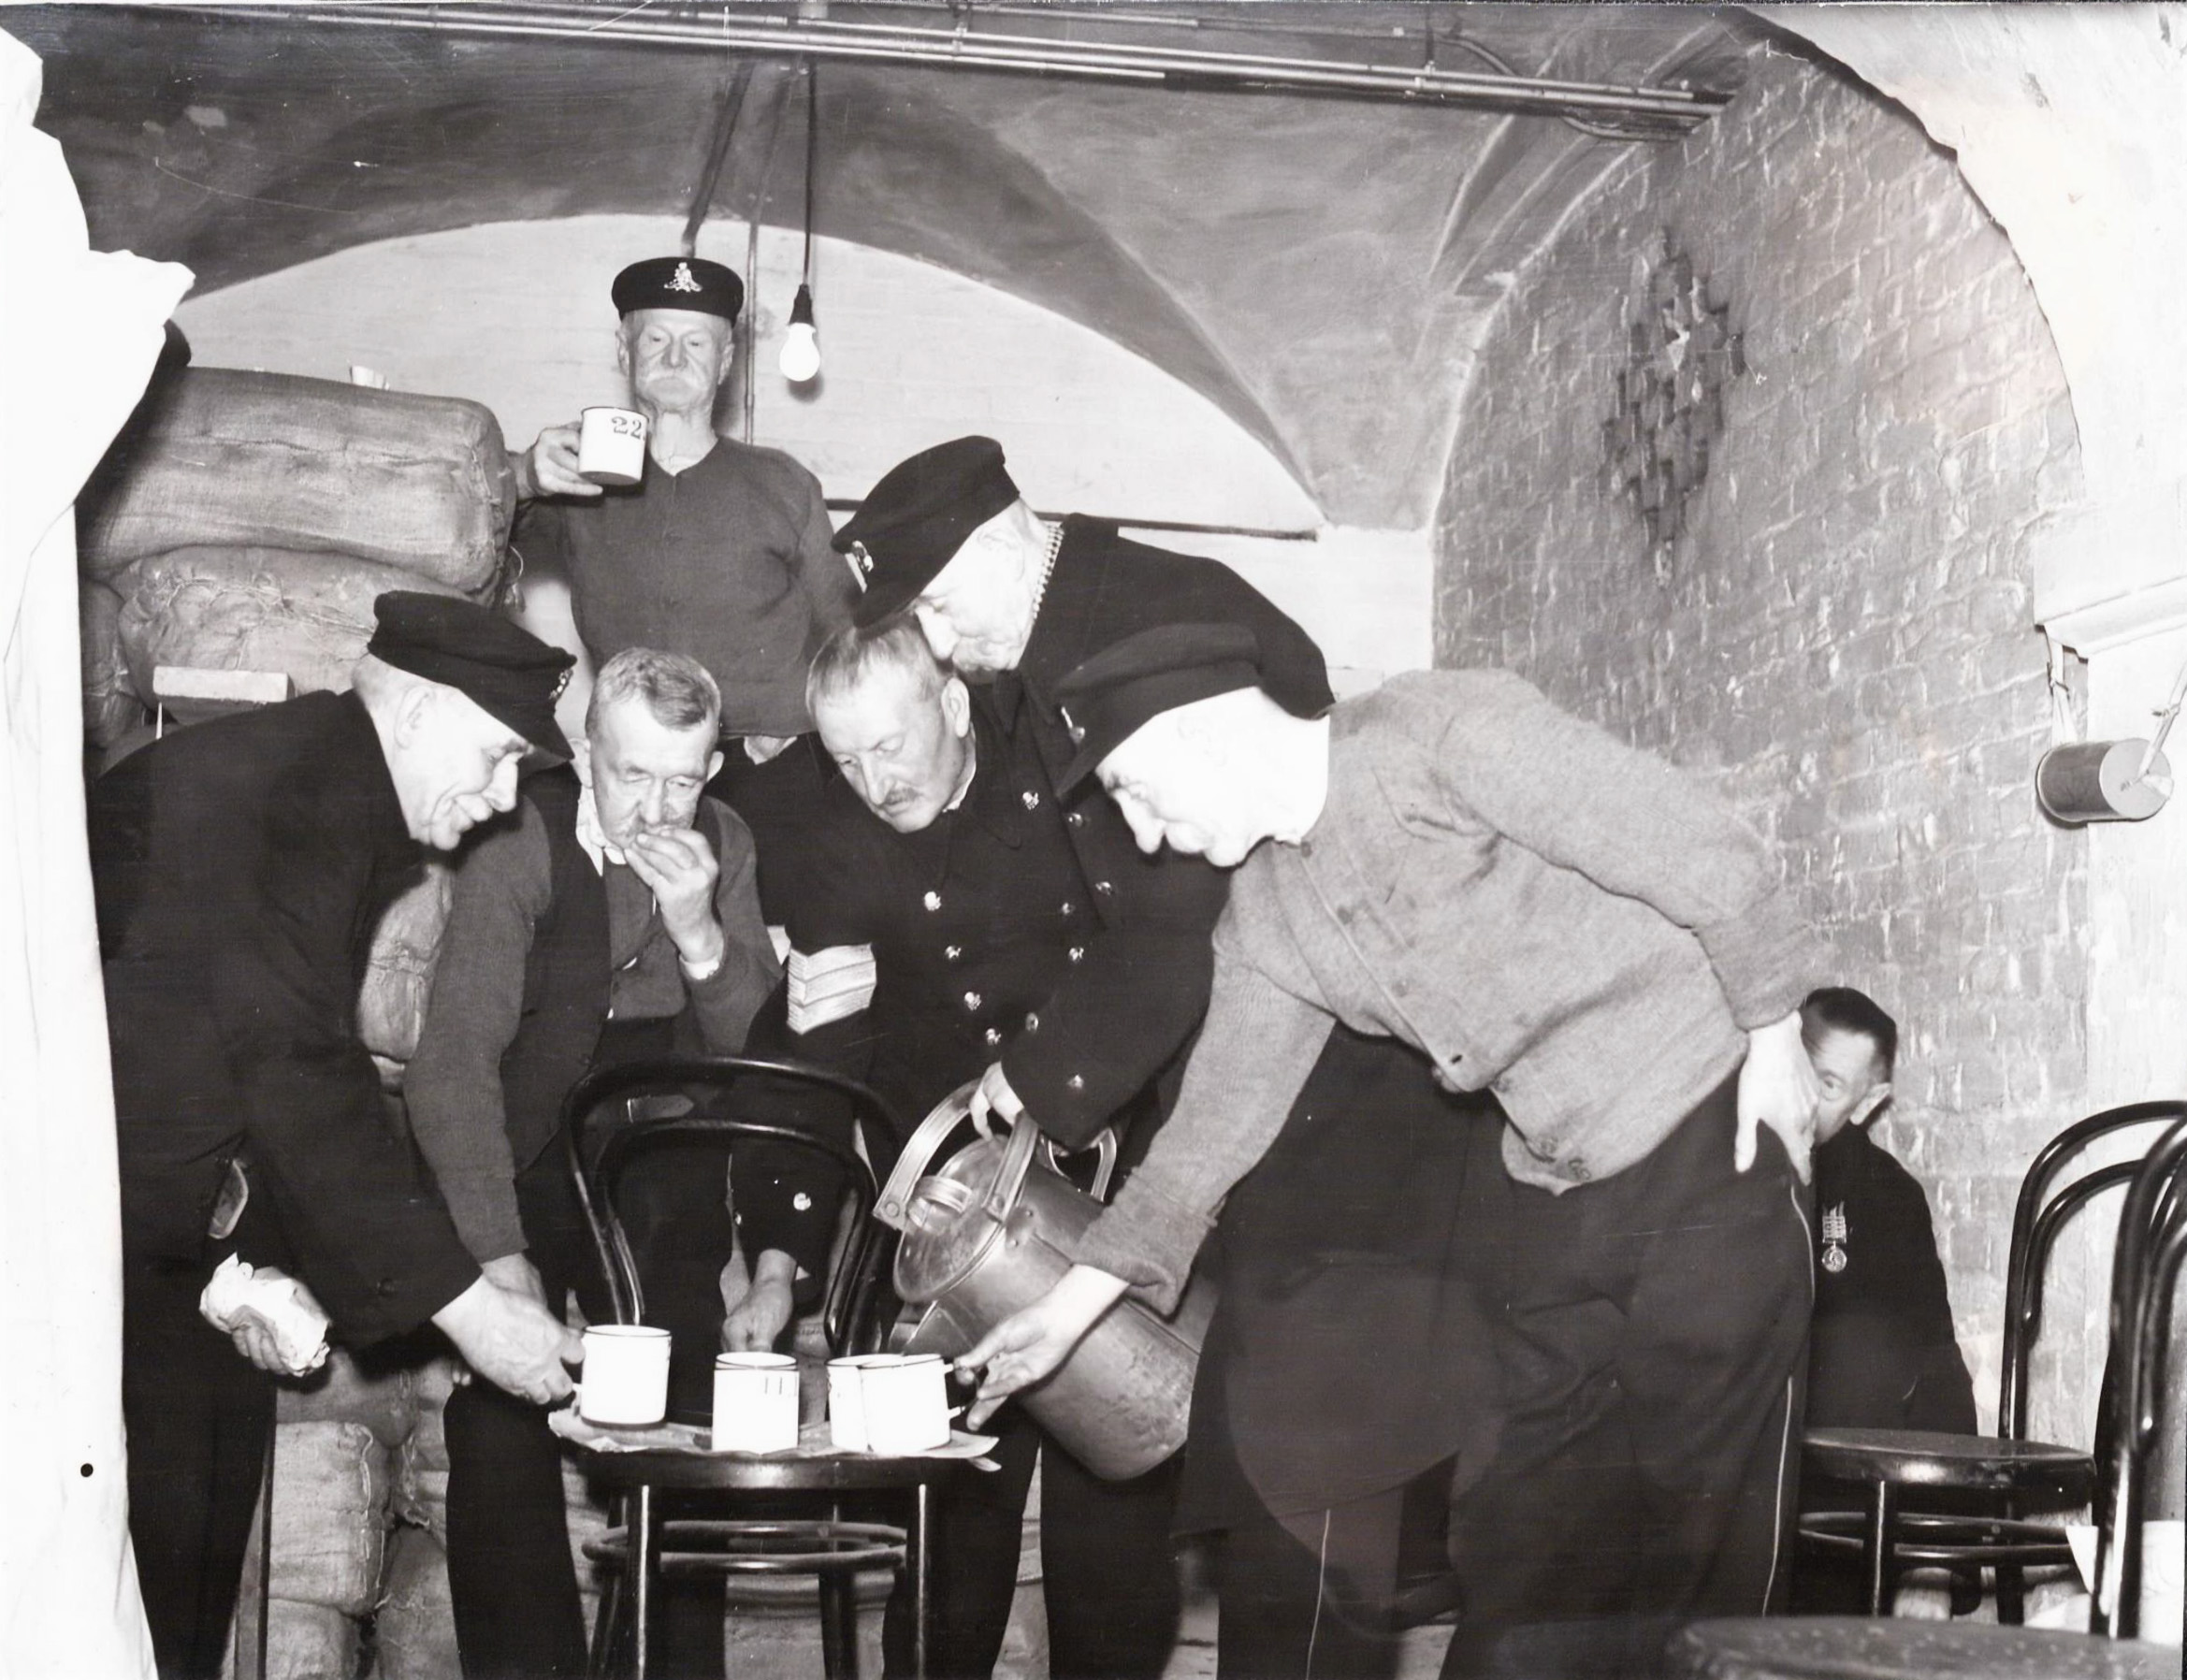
1108 1567
199 1415
511 1579
1652 1345
510 1574
1311 1595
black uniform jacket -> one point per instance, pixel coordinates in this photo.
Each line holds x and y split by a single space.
972 923
240 868
1126 1009
1882 1353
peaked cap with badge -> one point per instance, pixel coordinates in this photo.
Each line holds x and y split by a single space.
503 668
914 520
679 283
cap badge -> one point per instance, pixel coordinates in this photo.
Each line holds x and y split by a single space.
861 564
682 281
1078 731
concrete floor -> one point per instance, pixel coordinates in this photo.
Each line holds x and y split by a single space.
767 1644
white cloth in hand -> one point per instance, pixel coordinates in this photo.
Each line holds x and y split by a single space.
296 1321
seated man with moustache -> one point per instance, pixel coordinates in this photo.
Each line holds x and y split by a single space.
943 905
613 916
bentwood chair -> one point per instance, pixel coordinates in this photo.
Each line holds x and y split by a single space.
857 1309
2014 1471
2152 1241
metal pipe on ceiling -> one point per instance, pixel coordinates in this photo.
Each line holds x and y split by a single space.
1667 111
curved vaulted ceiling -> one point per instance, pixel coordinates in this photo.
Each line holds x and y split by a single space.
1319 267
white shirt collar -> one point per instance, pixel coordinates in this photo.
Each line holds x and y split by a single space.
592 837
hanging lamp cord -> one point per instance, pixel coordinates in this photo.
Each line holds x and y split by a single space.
812 152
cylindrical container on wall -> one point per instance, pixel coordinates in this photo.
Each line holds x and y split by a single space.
2101 781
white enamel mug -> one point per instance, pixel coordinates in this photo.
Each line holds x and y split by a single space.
847 1427
611 446
755 1403
626 1375
907 1403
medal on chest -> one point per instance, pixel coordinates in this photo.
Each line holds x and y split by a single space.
1834 1239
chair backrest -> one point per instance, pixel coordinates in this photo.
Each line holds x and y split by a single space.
856 1306
2153 1242
2037 1217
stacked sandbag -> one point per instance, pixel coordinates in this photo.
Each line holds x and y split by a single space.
330 1516
307 1641
383 1402
421 1466
110 706
226 459
414 1632
247 521
398 974
254 609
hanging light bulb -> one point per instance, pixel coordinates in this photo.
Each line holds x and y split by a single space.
801 344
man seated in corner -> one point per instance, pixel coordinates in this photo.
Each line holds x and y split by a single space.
1881 1353
613 916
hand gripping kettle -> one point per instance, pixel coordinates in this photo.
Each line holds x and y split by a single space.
991 1232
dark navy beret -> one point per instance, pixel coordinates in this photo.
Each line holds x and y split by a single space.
507 669
679 283
1105 699
917 517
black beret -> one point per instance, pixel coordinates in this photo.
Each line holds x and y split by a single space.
917 517
1105 699
679 283
508 670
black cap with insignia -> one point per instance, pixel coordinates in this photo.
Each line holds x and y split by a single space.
1105 699
509 672
679 283
917 517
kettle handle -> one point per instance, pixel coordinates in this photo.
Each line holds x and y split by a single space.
1009 1173
893 1208
1103 1147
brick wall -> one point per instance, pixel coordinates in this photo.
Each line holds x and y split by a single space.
1843 637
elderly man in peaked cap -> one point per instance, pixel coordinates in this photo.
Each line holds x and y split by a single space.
721 551
1568 924
240 868
1007 597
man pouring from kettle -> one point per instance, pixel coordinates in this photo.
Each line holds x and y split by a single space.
1571 925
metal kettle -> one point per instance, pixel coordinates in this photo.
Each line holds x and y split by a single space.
993 1231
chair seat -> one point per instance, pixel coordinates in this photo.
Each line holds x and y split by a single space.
1928 1458
1835 1647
